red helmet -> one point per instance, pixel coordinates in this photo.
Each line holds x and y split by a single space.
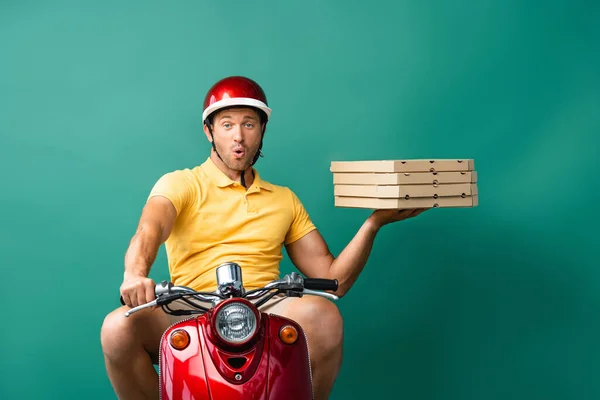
235 91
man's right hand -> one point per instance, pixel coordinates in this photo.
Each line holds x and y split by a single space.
137 290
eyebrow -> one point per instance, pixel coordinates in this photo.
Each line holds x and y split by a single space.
244 117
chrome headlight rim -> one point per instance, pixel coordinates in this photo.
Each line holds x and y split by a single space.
236 302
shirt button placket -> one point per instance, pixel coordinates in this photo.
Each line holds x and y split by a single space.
247 202
249 207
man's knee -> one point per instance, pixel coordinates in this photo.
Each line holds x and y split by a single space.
122 336
321 320
117 334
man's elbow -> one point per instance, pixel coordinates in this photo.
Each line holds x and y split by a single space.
341 291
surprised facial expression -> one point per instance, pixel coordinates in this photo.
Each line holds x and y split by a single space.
237 135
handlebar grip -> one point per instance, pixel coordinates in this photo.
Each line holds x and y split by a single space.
122 302
321 284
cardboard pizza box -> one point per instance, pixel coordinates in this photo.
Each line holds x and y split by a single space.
414 178
419 165
401 203
406 191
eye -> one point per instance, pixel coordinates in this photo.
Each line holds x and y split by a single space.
249 125
227 125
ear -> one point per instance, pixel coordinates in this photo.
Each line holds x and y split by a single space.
207 133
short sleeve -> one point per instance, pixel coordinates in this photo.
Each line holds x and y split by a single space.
301 222
177 186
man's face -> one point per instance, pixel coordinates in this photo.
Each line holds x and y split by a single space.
237 135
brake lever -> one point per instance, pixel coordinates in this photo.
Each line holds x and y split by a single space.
138 308
159 301
329 296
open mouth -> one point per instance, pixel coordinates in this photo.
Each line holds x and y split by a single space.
239 153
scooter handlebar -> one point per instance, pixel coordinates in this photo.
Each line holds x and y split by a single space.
320 284
311 286
165 287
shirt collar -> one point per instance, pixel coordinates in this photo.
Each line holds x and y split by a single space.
222 180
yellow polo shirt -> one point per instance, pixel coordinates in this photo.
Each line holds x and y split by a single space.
218 221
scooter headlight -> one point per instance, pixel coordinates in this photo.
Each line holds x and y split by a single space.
235 322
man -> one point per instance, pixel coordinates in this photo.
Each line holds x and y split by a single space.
219 211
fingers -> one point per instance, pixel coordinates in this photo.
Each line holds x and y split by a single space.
126 298
130 299
150 292
137 291
408 213
403 214
386 216
417 211
141 296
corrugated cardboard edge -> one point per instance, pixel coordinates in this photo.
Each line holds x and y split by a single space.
409 165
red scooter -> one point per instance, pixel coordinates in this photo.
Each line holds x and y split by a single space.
230 350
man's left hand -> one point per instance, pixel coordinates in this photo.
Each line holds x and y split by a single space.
384 217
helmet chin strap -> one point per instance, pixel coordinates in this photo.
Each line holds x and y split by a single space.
254 160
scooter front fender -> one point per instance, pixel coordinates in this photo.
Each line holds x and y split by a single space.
274 370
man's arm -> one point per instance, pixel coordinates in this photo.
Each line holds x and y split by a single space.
312 257
154 227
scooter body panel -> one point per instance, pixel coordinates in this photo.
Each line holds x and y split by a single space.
289 367
182 372
265 369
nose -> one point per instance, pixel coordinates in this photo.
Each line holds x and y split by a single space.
237 133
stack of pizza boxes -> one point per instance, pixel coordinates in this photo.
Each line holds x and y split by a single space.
402 184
